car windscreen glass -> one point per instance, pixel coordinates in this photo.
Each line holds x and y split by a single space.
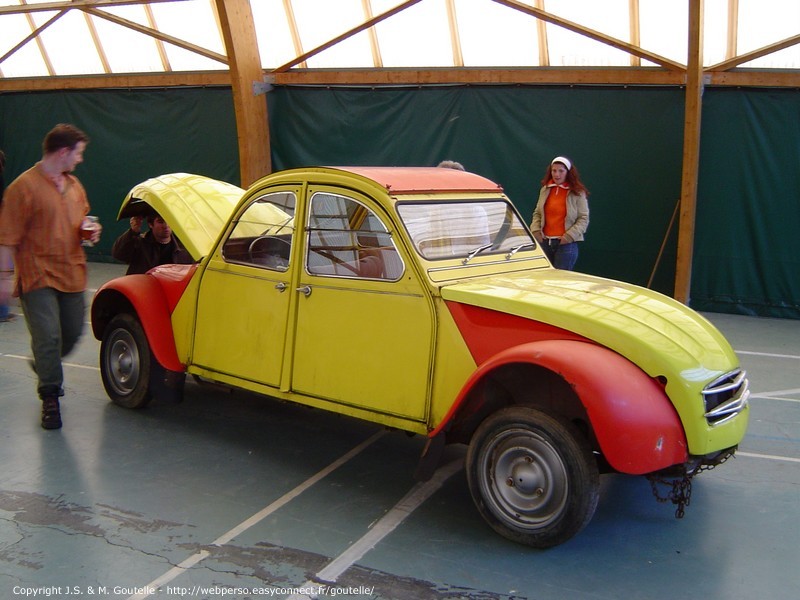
464 229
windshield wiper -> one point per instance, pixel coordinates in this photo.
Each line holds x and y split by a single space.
516 249
477 250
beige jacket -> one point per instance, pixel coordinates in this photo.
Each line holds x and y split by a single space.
576 223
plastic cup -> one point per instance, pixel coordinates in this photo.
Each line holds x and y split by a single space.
89 226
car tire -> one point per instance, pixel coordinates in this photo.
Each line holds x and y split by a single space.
126 362
532 477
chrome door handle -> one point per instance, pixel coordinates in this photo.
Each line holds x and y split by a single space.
306 290
281 287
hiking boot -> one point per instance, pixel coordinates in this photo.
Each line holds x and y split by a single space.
51 413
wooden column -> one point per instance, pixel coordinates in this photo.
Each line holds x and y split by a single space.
691 153
250 105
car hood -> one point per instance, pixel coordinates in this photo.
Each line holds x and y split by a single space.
195 207
659 334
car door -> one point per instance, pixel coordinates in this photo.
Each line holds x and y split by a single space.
365 327
244 296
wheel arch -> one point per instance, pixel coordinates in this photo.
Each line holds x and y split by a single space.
624 413
142 296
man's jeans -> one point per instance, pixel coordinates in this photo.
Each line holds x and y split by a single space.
55 322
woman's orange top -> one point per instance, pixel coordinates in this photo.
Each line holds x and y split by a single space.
555 211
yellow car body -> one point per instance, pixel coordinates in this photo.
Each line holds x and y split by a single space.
416 298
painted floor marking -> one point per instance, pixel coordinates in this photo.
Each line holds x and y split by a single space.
407 505
767 456
256 518
768 354
776 395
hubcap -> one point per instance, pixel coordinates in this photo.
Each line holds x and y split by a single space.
525 478
122 362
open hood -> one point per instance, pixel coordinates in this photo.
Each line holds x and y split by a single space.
194 206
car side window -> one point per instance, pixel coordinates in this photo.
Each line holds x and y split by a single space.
262 235
347 239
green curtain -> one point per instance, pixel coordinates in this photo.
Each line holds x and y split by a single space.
747 255
627 143
134 135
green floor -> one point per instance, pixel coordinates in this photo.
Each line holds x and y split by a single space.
233 495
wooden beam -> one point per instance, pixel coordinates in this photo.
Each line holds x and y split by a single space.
70 4
250 106
732 45
160 48
635 29
98 46
127 81
691 153
377 59
414 77
755 78
541 30
479 76
455 38
294 31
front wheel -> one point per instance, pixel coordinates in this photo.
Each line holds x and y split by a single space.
126 362
532 477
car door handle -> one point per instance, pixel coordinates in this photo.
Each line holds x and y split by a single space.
281 287
306 290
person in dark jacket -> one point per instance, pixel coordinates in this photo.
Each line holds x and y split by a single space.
143 251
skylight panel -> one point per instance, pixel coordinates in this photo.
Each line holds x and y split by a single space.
568 49
201 29
766 22
320 22
416 37
25 62
274 34
126 50
665 29
496 36
69 44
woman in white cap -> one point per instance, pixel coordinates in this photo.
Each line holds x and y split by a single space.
561 216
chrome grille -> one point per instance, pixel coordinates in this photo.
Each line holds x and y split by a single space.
726 397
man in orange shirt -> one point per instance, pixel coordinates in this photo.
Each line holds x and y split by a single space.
40 222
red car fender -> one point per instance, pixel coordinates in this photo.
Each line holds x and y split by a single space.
153 296
634 421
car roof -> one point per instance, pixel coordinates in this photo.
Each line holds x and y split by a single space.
420 180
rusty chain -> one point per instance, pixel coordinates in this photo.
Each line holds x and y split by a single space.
680 492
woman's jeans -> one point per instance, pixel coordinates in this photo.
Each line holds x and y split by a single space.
563 256
55 322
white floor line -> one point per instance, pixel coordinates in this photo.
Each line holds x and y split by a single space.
170 575
66 364
767 456
407 505
772 396
768 354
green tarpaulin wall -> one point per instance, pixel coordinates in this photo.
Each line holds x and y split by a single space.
627 143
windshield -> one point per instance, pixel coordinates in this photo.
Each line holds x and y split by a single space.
464 229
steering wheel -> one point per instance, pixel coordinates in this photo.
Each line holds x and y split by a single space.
259 252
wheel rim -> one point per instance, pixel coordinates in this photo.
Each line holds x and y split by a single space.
524 478
122 362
